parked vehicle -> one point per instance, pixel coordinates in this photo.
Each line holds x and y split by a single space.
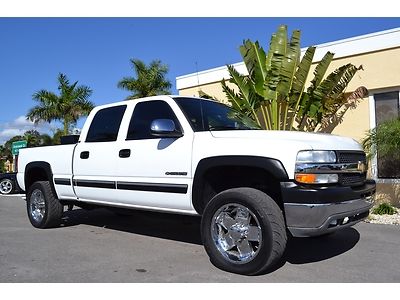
8 183
186 155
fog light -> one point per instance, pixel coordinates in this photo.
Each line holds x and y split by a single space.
333 223
345 220
316 178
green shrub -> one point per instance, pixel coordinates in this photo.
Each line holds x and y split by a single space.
384 209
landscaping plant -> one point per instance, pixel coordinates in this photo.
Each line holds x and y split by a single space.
275 92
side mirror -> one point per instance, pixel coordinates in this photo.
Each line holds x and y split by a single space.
164 128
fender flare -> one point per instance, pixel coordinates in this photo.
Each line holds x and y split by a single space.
271 165
39 165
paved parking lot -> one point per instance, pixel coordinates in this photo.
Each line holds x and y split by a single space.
99 246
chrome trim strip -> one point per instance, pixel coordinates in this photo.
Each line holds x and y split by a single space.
324 168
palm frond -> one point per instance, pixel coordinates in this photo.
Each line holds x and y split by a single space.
254 58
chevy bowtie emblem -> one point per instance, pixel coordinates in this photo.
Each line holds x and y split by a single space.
362 166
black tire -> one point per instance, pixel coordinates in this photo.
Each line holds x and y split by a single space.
48 206
266 219
7 186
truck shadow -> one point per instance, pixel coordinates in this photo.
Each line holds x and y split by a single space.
174 227
187 229
313 249
308 250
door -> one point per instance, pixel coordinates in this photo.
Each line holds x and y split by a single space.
95 159
157 173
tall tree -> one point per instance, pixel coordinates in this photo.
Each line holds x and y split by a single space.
148 81
35 139
275 95
71 104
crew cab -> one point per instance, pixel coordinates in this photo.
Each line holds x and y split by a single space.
253 188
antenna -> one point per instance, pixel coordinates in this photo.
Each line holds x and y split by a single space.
197 74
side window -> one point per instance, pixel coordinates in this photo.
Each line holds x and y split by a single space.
105 124
144 114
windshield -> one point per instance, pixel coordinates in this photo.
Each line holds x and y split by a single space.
205 115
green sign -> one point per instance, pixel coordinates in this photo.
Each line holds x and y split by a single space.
18 145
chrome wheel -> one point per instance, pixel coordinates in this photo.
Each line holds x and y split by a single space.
236 233
6 186
37 207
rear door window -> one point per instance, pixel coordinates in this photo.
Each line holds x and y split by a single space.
105 124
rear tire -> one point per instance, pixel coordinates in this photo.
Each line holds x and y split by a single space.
43 207
243 231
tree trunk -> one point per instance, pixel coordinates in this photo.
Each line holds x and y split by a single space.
66 127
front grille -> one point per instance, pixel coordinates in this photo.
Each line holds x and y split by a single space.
345 157
351 179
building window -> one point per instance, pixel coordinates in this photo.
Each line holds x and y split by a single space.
387 107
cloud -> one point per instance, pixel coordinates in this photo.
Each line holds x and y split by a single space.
20 125
10 132
22 121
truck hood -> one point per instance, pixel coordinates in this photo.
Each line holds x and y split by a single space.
317 141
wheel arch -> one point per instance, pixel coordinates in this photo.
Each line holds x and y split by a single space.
234 171
38 171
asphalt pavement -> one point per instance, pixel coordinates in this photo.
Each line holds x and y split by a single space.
100 246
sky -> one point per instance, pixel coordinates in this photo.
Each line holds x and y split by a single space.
96 52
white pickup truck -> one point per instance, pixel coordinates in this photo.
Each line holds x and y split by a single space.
253 188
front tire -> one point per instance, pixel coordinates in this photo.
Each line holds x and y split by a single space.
6 186
243 231
43 207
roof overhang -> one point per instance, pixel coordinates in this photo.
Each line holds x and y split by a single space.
372 42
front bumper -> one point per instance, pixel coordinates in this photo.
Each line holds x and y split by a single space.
312 211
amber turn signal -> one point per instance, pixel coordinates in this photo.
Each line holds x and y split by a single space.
316 178
305 178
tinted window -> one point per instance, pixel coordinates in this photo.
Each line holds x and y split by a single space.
105 124
206 115
192 111
387 108
144 114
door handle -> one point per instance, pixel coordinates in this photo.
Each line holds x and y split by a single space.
84 154
123 153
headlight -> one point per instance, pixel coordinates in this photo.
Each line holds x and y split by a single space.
316 157
308 167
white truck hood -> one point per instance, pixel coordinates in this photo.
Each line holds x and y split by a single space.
316 141
280 145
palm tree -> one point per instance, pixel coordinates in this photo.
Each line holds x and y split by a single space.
35 139
72 103
274 93
150 80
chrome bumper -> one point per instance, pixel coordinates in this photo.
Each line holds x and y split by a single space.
304 220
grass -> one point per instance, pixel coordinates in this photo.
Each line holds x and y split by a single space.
384 209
